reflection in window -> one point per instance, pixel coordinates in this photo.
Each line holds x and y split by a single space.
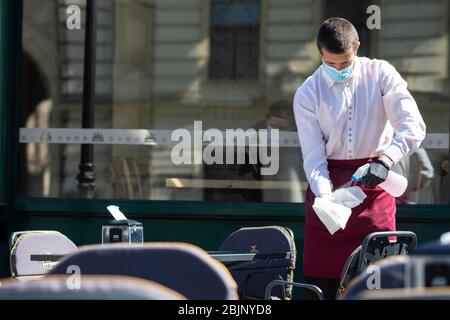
419 171
234 39
355 12
154 63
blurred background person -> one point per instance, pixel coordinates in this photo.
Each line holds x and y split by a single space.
290 173
419 171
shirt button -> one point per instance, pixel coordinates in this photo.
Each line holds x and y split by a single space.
350 129
349 134
350 140
349 118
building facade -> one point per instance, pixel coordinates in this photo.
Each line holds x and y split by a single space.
162 65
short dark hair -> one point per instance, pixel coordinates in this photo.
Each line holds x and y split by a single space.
336 35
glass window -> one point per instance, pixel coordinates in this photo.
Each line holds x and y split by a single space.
234 40
421 56
355 12
167 129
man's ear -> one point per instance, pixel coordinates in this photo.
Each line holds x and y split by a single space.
357 44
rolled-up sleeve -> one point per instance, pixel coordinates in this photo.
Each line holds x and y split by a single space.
312 142
403 114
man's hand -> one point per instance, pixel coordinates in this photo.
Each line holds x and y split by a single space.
326 196
377 173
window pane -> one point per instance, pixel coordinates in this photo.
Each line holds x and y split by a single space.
355 12
235 13
158 63
234 40
223 55
247 51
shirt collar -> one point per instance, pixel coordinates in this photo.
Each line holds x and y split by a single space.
330 82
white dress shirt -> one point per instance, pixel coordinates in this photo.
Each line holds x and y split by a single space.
370 114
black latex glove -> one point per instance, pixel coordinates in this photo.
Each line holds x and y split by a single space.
377 173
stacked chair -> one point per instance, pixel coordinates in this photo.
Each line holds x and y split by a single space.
57 269
177 271
424 274
256 280
28 250
181 267
375 246
90 288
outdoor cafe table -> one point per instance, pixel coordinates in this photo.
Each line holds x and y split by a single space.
235 260
232 260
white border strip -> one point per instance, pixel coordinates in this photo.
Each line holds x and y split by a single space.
161 137
435 141
87 136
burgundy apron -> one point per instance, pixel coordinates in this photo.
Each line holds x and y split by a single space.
325 254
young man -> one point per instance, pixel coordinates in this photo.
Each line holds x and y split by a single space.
350 112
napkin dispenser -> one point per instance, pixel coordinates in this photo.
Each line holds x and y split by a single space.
122 229
128 231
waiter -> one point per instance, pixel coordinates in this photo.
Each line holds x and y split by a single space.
351 111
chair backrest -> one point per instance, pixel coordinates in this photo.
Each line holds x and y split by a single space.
16 234
182 267
375 246
388 273
252 279
58 287
27 246
436 293
349 271
432 263
424 268
379 245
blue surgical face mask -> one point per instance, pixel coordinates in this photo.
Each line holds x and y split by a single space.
338 76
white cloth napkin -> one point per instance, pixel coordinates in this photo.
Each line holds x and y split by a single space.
116 213
335 210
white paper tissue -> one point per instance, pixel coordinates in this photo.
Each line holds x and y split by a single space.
349 197
333 215
334 211
116 213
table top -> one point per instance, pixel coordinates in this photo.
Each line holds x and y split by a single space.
229 256
223 256
181 183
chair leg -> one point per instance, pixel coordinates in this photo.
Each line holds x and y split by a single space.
274 283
